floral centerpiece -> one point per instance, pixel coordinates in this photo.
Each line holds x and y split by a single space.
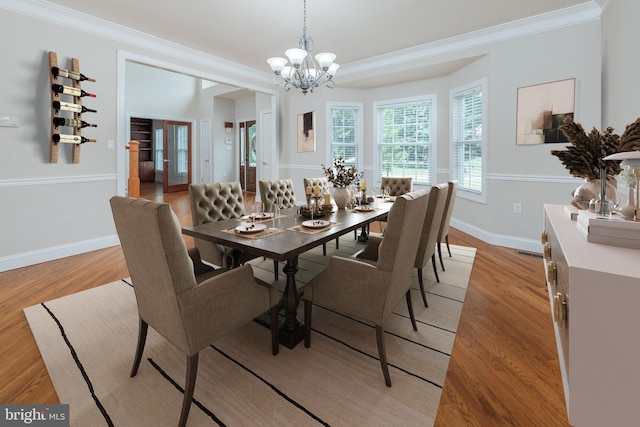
340 175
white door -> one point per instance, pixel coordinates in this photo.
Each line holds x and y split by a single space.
267 146
205 151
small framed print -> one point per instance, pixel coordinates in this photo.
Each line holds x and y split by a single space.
306 132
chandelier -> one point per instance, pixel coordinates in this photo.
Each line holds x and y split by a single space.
305 72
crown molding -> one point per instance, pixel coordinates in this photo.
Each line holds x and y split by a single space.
574 15
69 18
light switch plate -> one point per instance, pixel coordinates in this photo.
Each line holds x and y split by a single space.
7 120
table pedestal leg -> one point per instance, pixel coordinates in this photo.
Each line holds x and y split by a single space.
364 236
291 331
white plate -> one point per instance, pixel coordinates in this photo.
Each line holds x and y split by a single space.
316 223
251 228
261 216
364 208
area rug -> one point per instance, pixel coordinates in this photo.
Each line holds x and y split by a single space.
87 341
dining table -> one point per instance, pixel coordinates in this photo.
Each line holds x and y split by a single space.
283 236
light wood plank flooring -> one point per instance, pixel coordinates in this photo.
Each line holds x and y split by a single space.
504 366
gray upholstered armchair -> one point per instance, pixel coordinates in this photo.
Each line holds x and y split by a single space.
272 192
323 183
371 289
446 219
191 311
277 190
429 235
397 185
214 202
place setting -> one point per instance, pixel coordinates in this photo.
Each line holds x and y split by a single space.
253 230
313 226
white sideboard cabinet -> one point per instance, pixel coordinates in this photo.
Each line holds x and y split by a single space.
594 292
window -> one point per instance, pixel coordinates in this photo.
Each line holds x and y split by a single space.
468 160
158 147
406 138
345 130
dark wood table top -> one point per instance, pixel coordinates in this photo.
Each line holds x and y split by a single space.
287 244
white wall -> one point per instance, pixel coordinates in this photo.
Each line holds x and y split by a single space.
621 62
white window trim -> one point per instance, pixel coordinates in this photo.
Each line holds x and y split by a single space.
359 107
433 137
462 193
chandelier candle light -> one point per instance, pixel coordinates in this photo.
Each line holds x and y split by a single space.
304 72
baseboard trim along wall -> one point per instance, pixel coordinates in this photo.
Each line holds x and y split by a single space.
56 252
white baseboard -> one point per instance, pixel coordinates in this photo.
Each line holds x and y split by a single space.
56 252
498 239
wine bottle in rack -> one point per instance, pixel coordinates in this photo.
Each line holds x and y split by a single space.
69 90
73 123
67 106
75 75
70 139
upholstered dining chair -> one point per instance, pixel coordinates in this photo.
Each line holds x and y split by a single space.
371 289
187 302
429 235
273 192
396 186
277 191
323 183
211 202
443 233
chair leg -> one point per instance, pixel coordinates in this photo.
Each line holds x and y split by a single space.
189 386
382 354
435 271
446 239
308 306
440 255
275 269
337 243
410 309
324 249
143 327
275 329
424 295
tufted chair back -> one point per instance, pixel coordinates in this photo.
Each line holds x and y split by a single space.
215 201
322 182
211 202
271 191
397 185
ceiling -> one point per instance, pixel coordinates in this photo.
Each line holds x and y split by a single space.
357 31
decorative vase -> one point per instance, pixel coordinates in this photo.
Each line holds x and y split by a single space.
591 190
629 209
341 197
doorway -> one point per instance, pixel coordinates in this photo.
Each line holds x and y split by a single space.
248 149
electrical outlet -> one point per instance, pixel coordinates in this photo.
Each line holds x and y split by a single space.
517 208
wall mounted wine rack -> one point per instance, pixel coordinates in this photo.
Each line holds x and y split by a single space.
58 105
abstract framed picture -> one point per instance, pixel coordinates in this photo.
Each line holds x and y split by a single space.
306 132
541 109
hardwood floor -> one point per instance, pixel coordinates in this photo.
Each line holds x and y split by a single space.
504 366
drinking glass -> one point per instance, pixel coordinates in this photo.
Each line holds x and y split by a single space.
252 212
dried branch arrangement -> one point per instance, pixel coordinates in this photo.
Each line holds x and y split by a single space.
583 158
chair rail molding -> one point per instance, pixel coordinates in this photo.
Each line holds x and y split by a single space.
18 182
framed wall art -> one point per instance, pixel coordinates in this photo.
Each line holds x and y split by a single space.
306 132
541 109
